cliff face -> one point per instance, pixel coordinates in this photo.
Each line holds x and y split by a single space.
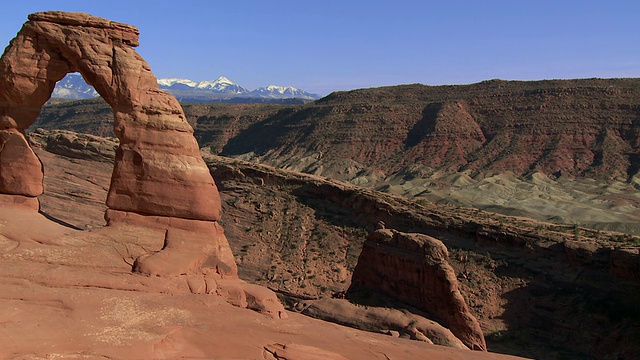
213 124
587 128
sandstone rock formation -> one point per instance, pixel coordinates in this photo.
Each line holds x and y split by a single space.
415 269
74 145
157 149
159 180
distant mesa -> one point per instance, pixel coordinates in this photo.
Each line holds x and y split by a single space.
583 128
73 86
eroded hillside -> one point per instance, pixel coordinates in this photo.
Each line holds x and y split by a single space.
538 289
580 128
564 151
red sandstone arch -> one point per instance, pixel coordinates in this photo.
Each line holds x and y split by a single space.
158 168
160 183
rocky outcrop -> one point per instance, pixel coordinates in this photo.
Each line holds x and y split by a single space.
20 169
415 269
74 145
159 180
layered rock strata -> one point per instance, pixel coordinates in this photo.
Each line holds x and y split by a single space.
415 268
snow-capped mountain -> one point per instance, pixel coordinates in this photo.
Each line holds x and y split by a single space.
73 86
280 92
177 83
220 85
221 89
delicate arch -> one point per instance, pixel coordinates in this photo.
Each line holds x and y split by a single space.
158 168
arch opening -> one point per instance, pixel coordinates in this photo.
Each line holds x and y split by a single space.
77 161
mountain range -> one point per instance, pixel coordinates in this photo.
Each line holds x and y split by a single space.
222 89
586 128
74 87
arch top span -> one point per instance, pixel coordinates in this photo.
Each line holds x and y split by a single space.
121 31
158 168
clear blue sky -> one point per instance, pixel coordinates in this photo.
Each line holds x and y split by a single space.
321 46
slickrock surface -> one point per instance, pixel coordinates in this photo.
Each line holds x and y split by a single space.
71 294
414 268
294 351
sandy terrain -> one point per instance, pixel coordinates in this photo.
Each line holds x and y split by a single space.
586 202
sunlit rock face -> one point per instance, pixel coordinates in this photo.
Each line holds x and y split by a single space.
158 168
159 180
